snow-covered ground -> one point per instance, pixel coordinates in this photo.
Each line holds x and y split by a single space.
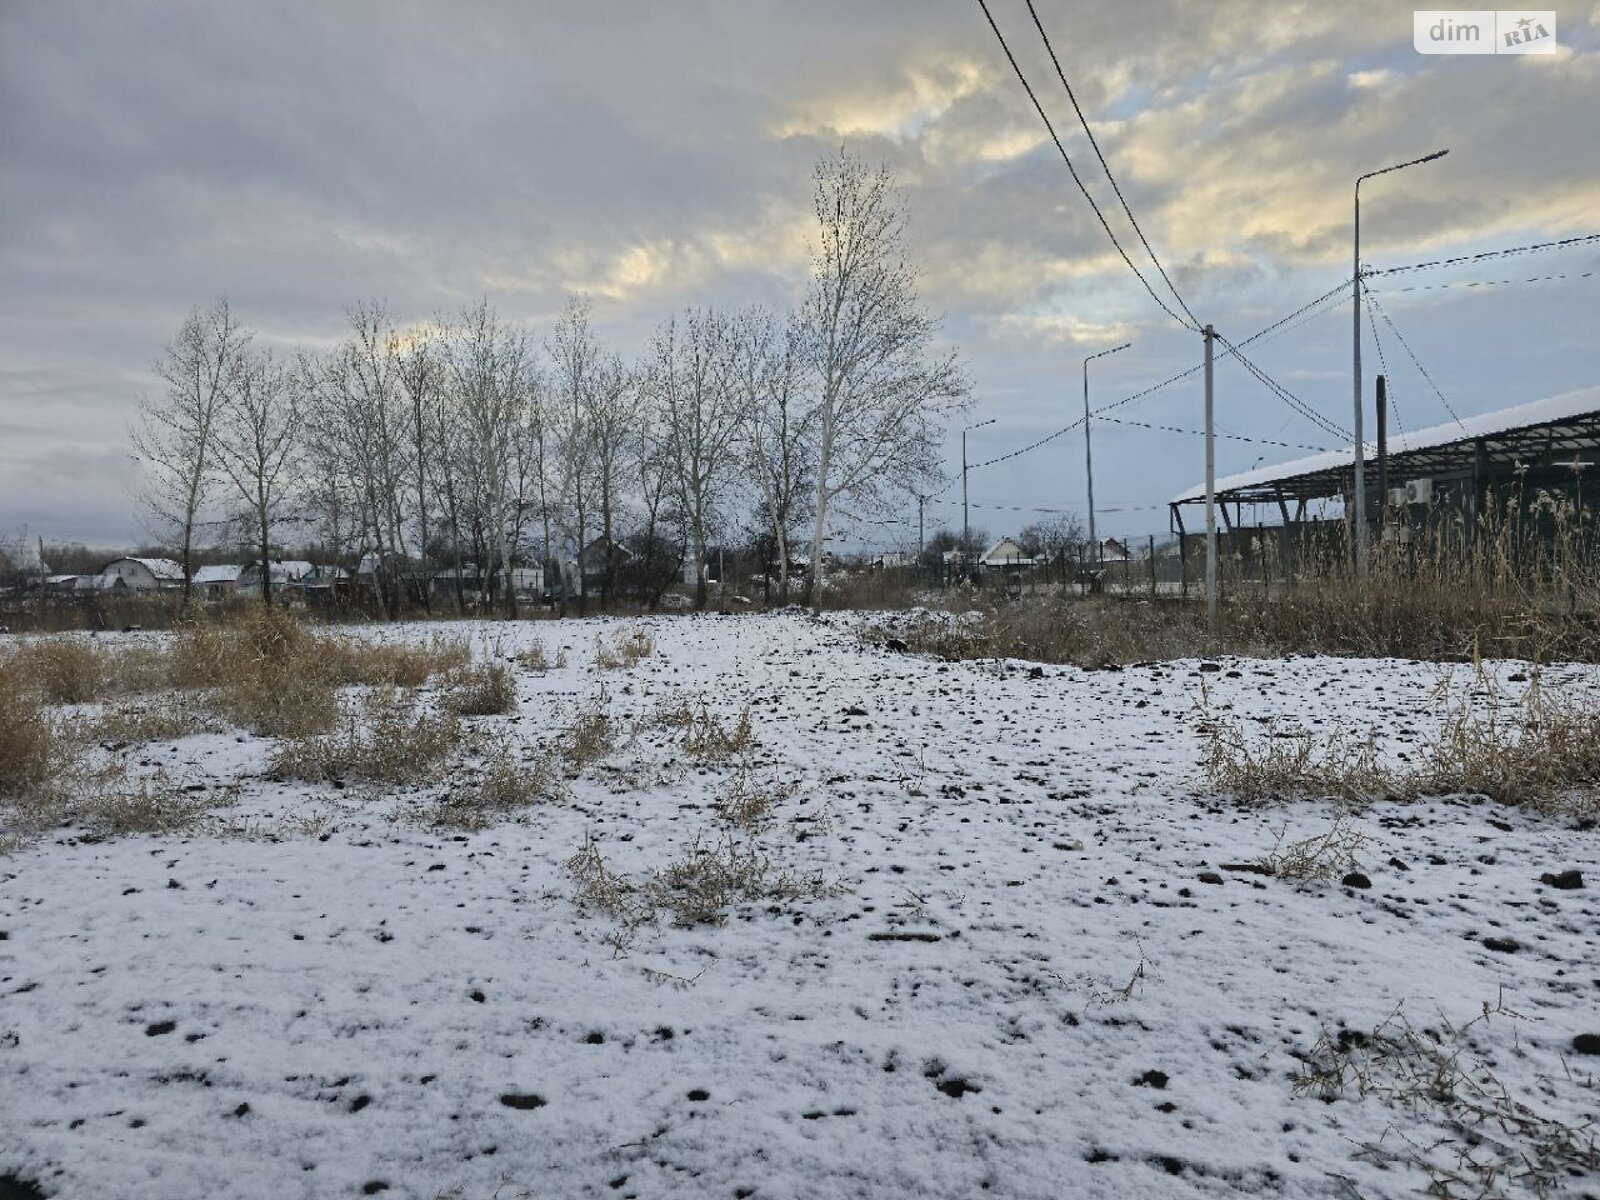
334 999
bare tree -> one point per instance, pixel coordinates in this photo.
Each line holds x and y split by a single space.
487 364
361 416
258 438
613 427
778 423
422 377
882 392
175 438
659 558
703 416
576 354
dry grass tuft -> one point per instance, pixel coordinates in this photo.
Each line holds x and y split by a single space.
624 650
150 805
366 662
1283 764
31 744
1537 750
588 738
505 785
534 658
487 689
61 670
704 738
386 739
1327 855
1477 1139
750 801
136 724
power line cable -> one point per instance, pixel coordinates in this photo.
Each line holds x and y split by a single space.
1406 346
1478 283
1054 137
1284 394
1486 255
1095 144
1232 437
1372 323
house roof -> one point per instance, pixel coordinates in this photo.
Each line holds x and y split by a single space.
1566 423
161 568
221 573
999 552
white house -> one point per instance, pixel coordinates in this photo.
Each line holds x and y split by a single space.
1007 555
286 575
141 575
217 582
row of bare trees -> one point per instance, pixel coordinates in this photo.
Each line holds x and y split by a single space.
468 444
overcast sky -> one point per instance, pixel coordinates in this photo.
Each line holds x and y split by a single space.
298 157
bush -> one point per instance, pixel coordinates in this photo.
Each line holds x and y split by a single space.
386 739
624 650
484 690
30 743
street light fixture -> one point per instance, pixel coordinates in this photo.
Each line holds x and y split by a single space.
966 530
1358 531
1088 451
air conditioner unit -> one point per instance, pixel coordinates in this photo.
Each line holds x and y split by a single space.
1419 491
1397 497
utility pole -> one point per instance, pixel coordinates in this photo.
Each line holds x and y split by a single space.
1358 525
1088 451
1383 451
966 528
1211 492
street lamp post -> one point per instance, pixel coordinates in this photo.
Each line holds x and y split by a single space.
1358 530
966 529
1088 450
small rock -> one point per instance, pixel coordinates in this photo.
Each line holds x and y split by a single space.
1153 1079
1399 864
1355 879
1587 1043
1565 881
1502 945
699 1094
1209 877
1035 672
159 1028
522 1100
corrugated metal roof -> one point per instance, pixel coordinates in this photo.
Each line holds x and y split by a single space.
1583 402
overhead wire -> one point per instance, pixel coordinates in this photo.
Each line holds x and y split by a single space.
1076 178
1479 283
1105 166
1406 346
1486 255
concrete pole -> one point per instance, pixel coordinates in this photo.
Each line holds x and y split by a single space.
1211 491
1358 524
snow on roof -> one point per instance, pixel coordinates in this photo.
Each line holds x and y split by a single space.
1538 412
161 568
222 573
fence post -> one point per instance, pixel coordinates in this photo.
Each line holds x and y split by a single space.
1152 566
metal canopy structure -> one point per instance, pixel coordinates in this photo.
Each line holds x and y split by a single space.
1558 434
